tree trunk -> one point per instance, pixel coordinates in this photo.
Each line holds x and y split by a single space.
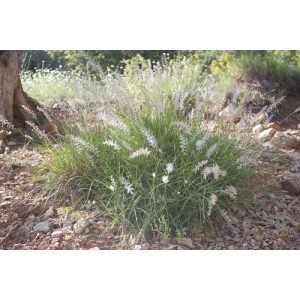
15 106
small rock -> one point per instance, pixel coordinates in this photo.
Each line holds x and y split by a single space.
2 146
95 248
14 216
291 183
137 247
49 213
57 234
163 239
173 247
231 112
145 246
266 135
81 225
180 248
185 242
2 135
42 226
11 143
273 125
86 230
285 141
4 204
257 129
231 247
56 245
101 224
258 237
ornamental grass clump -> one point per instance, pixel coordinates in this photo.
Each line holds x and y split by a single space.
152 175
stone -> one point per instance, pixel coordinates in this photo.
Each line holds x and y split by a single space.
95 248
231 113
49 213
273 125
266 135
56 234
145 246
172 247
259 237
42 226
2 135
81 225
101 224
291 183
231 247
185 242
163 239
137 247
4 204
257 129
2 147
285 141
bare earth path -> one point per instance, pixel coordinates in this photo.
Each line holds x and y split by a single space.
274 222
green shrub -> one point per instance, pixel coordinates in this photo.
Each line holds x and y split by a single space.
153 170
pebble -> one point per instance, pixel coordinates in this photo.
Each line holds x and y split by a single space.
81 225
42 226
49 213
4 204
145 246
266 135
101 223
95 248
57 233
257 129
173 247
185 242
137 247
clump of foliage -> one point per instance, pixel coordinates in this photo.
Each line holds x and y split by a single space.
149 161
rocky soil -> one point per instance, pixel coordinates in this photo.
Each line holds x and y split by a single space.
273 222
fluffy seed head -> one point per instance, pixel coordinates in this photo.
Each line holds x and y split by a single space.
140 152
200 165
150 138
114 121
231 192
211 203
183 143
202 142
245 160
112 144
112 186
214 170
127 185
183 126
165 179
211 150
170 168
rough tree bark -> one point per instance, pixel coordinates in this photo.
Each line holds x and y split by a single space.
15 105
